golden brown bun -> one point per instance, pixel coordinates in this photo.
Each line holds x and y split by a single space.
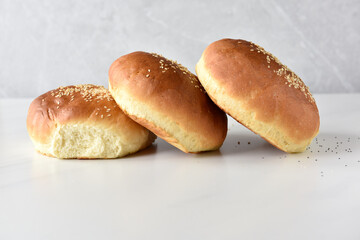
83 121
258 91
167 99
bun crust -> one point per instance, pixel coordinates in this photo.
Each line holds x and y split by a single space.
83 121
258 91
166 98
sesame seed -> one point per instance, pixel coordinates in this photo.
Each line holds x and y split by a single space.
268 59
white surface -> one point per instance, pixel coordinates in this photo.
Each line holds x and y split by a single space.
45 44
246 191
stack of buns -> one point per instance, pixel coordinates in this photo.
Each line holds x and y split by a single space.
149 94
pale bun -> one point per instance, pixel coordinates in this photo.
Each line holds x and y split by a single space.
166 98
258 91
84 122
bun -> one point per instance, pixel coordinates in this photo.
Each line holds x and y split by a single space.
258 91
83 121
166 98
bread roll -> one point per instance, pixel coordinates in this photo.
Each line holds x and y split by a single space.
83 122
258 91
166 98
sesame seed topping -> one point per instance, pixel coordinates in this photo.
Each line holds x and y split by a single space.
87 91
147 75
291 79
166 64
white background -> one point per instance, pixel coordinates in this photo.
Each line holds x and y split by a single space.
45 44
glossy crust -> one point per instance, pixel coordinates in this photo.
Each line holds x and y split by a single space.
166 98
82 105
252 86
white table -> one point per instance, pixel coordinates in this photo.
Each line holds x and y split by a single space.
243 191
